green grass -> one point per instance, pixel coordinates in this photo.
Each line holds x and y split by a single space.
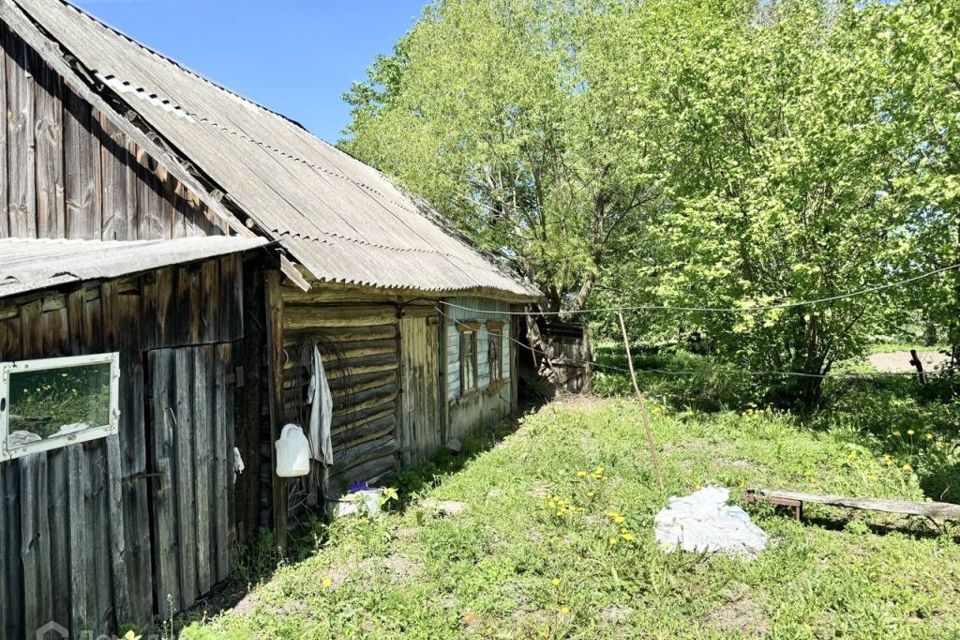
489 572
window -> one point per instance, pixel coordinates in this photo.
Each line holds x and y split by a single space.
468 356
495 350
46 404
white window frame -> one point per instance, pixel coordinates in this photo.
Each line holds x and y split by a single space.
56 442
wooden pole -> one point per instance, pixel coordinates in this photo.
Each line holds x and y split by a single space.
274 321
643 404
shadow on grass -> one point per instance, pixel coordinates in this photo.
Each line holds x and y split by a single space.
258 559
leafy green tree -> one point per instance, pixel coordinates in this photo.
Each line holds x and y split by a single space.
492 111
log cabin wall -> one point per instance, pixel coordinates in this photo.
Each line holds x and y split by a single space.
86 531
67 172
359 341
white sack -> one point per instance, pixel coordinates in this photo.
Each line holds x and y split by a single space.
703 521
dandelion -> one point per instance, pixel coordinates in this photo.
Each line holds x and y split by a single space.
619 520
555 582
929 436
887 459
613 515
906 467
627 536
564 610
327 582
581 474
612 541
938 444
910 432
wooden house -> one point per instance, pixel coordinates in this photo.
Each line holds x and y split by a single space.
171 253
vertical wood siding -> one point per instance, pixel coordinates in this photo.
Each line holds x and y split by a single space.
421 428
66 172
76 542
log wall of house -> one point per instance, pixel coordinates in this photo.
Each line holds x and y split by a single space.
67 172
80 526
359 343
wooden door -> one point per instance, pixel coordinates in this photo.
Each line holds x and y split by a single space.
192 425
421 427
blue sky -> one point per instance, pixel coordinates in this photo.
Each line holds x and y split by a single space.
294 56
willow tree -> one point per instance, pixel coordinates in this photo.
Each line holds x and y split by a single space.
488 109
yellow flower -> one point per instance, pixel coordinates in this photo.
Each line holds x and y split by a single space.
619 520
564 610
613 515
627 536
929 436
910 432
555 582
886 458
895 433
613 541
906 467
938 445
581 474
327 582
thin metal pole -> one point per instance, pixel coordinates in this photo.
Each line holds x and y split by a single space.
643 404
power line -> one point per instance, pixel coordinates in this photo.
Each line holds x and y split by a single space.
866 375
750 309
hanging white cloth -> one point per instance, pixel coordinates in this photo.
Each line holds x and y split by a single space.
321 413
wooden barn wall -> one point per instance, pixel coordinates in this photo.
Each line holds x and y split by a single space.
488 404
360 347
67 172
75 523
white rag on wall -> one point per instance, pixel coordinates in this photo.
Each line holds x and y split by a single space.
703 521
321 413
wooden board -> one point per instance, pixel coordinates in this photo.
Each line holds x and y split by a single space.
934 510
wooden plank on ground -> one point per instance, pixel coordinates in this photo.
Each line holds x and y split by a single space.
934 510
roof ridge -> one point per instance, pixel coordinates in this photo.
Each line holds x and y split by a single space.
176 63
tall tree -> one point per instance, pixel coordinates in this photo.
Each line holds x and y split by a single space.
487 109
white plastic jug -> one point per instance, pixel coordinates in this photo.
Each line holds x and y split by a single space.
293 453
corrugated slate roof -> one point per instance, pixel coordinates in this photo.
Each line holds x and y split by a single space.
342 219
28 264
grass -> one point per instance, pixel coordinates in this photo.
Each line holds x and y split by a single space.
531 554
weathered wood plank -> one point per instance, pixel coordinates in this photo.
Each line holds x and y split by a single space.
59 508
48 133
159 308
5 40
210 300
21 163
82 164
223 442
202 462
35 541
330 316
117 537
116 205
184 473
273 302
164 452
934 510
80 550
150 210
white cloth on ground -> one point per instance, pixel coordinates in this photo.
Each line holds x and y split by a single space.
703 522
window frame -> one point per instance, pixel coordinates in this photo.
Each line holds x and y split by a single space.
56 442
469 331
495 337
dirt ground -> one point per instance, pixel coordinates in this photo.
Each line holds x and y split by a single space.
900 360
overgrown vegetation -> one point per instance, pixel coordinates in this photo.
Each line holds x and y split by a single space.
555 540
692 153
